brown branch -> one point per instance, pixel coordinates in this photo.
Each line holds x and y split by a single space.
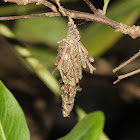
126 75
49 14
127 62
123 65
133 31
95 11
60 7
74 14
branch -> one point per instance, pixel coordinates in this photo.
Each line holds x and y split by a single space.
133 31
60 8
126 75
49 14
91 6
127 62
123 65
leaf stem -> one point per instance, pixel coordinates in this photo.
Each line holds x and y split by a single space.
105 6
80 113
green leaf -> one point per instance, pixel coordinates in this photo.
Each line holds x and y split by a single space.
12 121
15 9
42 30
98 38
44 55
25 56
88 128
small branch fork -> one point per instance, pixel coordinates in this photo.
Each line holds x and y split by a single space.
133 31
91 6
123 65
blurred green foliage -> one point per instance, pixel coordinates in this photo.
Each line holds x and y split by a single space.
44 30
88 128
18 9
46 56
12 120
27 58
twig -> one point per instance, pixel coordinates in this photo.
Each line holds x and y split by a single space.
133 31
124 64
126 75
49 14
60 7
95 11
74 14
127 62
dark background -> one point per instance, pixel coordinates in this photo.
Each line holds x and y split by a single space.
120 103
